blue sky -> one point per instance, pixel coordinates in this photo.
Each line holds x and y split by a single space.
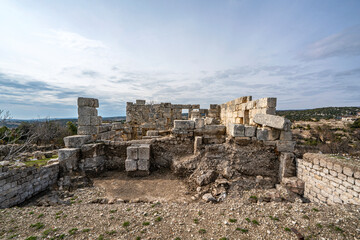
305 53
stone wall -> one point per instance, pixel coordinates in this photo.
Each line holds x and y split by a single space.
242 110
19 184
329 179
158 116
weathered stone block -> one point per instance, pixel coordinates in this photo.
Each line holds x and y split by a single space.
250 131
132 152
88 130
68 159
287 165
88 102
184 124
273 121
348 171
236 130
144 152
130 165
266 103
213 130
262 134
76 141
199 123
197 144
285 146
95 120
143 164
286 136
87 111
274 134
84 121
117 126
152 133
140 102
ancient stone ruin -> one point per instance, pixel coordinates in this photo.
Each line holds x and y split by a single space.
237 145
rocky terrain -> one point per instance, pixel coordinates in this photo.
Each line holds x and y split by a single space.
87 214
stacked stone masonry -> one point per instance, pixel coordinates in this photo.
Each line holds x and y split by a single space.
19 184
329 179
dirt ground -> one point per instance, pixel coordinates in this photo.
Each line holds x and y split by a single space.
160 186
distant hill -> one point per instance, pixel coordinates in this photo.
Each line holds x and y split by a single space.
13 123
318 113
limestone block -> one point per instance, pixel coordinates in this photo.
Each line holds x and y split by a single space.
274 134
195 114
76 141
92 165
262 134
214 130
348 171
87 111
184 124
140 102
250 131
106 127
197 143
84 121
286 135
117 126
88 102
214 106
270 111
144 151
266 103
199 123
95 120
132 152
88 130
285 146
287 165
130 165
152 133
272 121
236 130
68 159
143 164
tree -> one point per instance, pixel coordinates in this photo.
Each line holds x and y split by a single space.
17 140
72 127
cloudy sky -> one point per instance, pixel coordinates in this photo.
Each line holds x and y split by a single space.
305 53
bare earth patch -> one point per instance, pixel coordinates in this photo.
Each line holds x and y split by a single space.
159 186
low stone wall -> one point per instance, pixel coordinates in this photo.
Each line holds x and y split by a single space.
329 179
17 185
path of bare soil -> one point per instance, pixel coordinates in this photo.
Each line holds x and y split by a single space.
160 186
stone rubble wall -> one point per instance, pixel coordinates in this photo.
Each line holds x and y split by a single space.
329 179
20 184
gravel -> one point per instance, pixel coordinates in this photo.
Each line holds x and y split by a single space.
235 218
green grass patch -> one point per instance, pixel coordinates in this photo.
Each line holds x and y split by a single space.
73 231
242 230
39 162
158 219
112 232
126 224
86 230
255 222
37 225
196 221
146 223
274 218
31 238
202 231
232 220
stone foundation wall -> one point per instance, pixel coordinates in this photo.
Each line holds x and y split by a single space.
18 185
329 179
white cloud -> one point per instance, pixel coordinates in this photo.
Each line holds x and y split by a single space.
345 43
